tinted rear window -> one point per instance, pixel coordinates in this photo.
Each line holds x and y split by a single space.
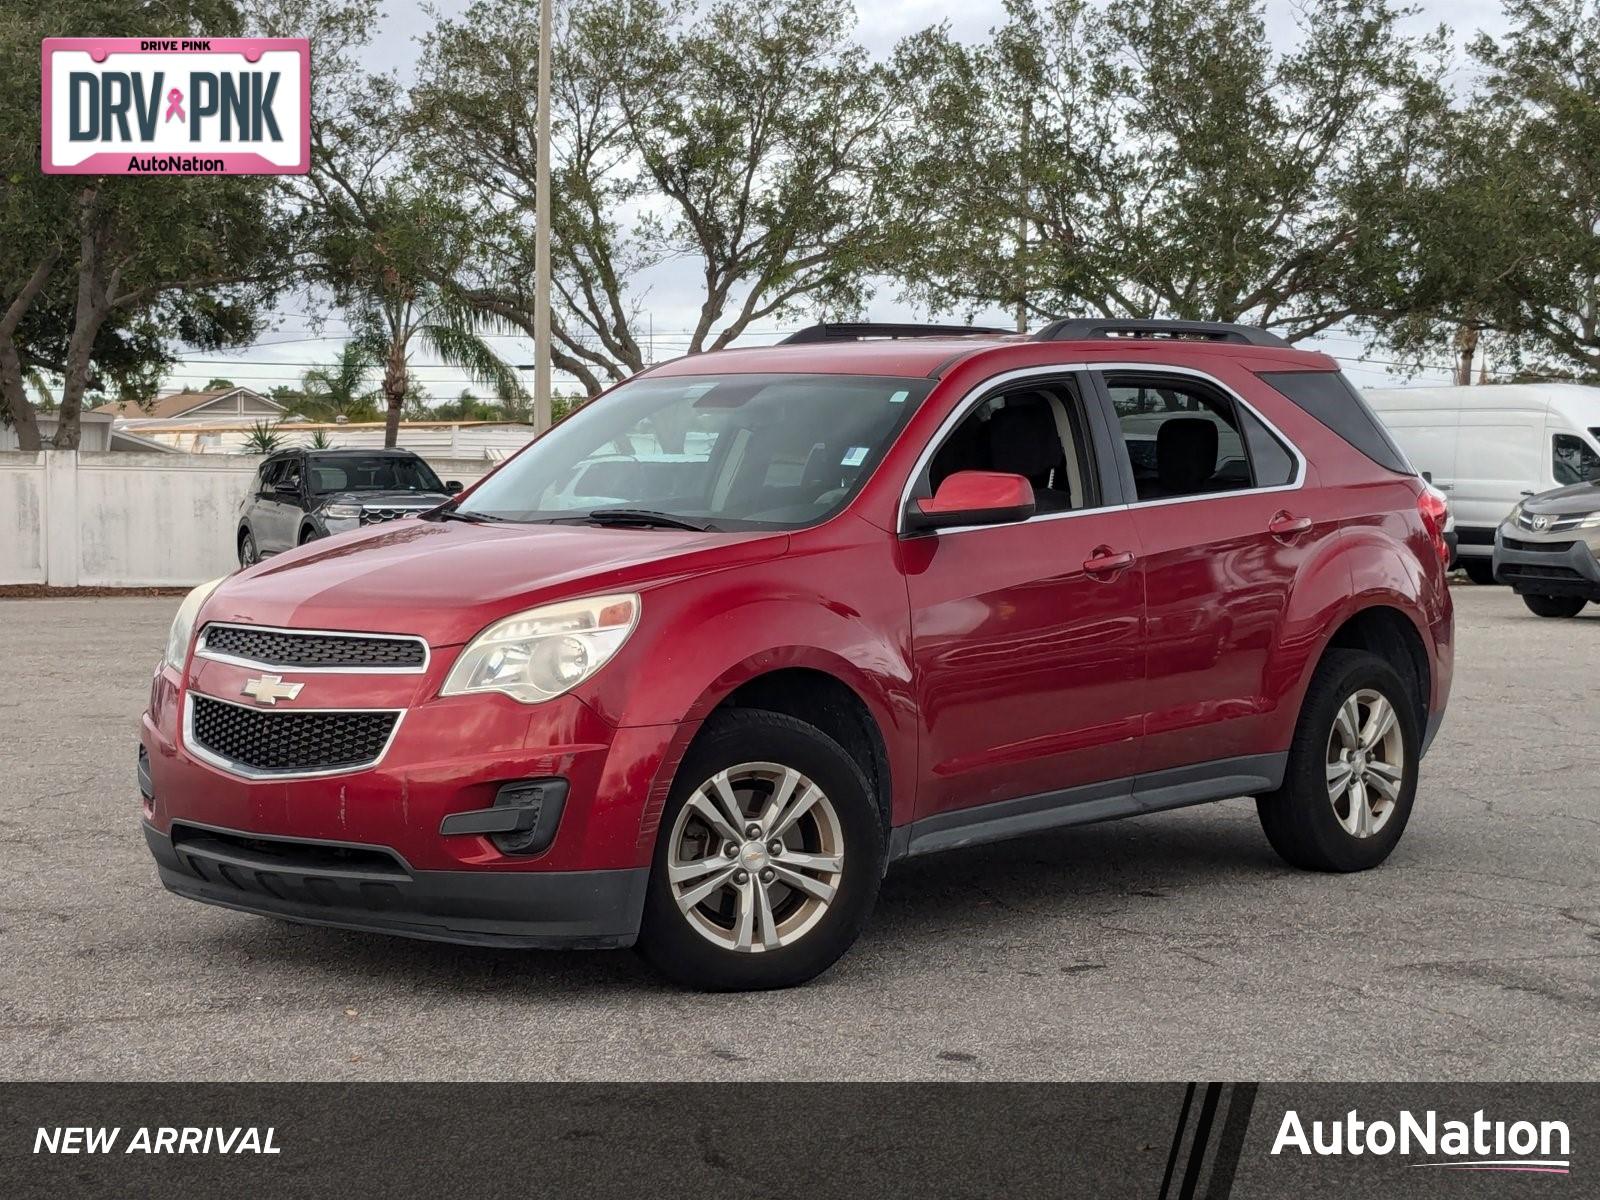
1328 396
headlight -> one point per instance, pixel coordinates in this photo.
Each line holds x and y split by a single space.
1592 521
1516 512
341 512
539 654
183 624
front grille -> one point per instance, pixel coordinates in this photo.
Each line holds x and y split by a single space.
289 742
1538 547
277 648
377 516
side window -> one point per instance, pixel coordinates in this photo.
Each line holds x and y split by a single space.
1270 459
269 475
289 477
1574 459
1182 439
1037 431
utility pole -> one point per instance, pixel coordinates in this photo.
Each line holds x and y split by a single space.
1022 219
541 232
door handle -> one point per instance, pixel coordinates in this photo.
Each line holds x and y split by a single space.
1284 525
1103 560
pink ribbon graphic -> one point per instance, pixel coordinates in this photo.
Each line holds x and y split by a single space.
175 105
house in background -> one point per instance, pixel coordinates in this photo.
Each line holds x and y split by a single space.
96 431
235 403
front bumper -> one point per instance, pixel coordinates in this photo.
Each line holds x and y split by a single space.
371 889
1561 565
273 845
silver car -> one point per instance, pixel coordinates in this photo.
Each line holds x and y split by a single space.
1548 549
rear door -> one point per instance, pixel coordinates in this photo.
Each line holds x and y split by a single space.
1225 522
1026 637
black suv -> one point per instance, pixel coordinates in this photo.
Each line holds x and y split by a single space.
300 495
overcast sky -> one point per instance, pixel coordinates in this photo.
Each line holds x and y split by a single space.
284 351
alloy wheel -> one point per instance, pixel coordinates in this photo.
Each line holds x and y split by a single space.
755 857
1366 763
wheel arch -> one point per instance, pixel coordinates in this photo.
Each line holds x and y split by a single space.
822 699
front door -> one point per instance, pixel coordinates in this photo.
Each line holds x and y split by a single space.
1027 637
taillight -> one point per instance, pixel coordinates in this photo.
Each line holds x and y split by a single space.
1435 510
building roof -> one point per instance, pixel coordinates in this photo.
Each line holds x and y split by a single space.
177 404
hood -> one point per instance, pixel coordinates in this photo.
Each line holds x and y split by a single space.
1571 500
396 499
446 580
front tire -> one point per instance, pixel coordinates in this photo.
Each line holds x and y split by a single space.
1555 606
1352 773
248 554
1479 570
768 859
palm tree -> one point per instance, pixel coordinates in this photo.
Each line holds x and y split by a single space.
339 389
447 328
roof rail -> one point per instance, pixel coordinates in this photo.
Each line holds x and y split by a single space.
1091 328
858 331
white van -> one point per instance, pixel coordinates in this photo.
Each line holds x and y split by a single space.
1489 446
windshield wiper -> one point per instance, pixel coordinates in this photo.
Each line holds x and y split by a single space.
647 516
451 513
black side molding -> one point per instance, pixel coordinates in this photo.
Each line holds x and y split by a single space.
1086 804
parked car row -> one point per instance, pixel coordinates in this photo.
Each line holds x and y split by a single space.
1520 464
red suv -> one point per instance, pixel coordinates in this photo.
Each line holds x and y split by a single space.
698 665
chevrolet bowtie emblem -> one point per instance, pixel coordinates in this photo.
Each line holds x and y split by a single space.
269 689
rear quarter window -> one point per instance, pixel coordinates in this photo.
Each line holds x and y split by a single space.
1329 397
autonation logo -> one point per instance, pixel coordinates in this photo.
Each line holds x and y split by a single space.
1478 1144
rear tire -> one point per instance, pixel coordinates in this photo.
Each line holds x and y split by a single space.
1310 821
1555 606
1479 570
792 934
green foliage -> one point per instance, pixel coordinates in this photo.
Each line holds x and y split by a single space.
340 389
1157 158
320 440
263 438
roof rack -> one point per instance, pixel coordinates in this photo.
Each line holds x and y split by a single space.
859 331
1092 328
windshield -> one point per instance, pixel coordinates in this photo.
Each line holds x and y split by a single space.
710 451
378 473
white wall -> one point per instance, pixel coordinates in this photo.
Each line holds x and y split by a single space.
116 519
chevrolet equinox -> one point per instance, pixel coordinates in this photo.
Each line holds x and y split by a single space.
697 666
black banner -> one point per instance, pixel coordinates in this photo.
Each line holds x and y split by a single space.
1155 1141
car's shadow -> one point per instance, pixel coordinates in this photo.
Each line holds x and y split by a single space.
1004 891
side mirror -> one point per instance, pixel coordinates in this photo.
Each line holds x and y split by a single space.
973 498
452 486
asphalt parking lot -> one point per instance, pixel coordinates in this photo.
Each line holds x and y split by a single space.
1172 946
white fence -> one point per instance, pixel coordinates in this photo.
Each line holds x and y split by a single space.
74 518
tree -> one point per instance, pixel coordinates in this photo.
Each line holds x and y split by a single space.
390 241
100 276
1157 158
341 388
219 385
740 138
1503 239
